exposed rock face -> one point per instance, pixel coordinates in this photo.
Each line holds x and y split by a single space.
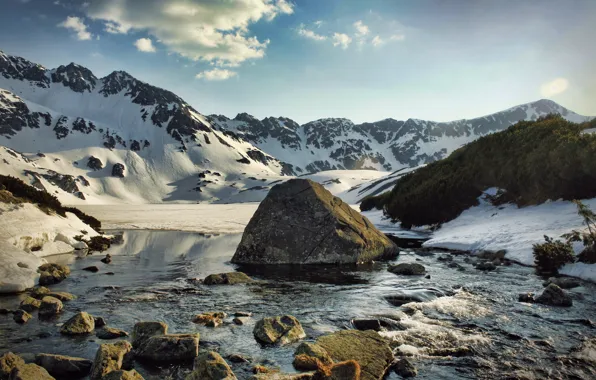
367 348
64 366
50 306
29 372
109 358
230 278
300 222
407 269
554 296
8 361
209 365
80 323
118 170
94 163
278 330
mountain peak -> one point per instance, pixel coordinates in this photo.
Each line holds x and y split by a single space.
76 77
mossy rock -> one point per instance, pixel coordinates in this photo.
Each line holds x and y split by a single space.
123 375
368 348
142 331
80 323
8 361
50 306
30 304
209 365
64 367
278 330
30 372
407 269
308 355
109 357
231 278
169 348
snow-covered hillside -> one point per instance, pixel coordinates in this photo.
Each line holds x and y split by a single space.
119 140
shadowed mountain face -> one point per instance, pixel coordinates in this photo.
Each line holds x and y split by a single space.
160 141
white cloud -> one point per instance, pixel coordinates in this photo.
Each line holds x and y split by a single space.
310 34
554 87
145 45
212 31
318 23
377 41
397 37
361 29
77 25
342 40
216 74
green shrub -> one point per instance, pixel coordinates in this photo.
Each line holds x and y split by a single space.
588 239
44 200
533 161
551 255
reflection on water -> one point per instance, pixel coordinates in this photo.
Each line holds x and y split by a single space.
148 279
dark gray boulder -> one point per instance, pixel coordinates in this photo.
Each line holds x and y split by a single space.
94 163
64 366
553 295
407 269
300 222
118 170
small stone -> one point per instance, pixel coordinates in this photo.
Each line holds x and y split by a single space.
80 323
92 268
486 266
242 314
407 269
50 306
30 304
107 259
21 316
240 320
8 361
405 369
526 297
99 322
278 330
366 324
110 333
211 319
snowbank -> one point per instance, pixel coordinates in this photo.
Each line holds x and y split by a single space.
486 227
18 269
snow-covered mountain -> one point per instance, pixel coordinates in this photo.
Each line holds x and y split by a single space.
118 139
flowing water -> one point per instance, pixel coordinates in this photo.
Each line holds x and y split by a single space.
477 330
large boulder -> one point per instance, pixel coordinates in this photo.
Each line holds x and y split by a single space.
142 331
300 222
367 348
80 323
8 361
51 273
64 367
209 365
553 295
231 278
109 357
278 330
29 372
169 348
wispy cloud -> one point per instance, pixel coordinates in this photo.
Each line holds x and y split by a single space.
145 45
77 25
342 40
216 74
310 34
361 29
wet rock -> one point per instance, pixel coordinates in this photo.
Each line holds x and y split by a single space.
486 266
8 361
29 372
563 282
212 319
367 348
80 323
107 259
110 333
231 278
366 324
282 376
405 369
278 330
99 243
554 296
240 320
526 297
457 352
64 366
300 222
348 370
123 375
407 269
92 268
586 351
50 306
52 273
118 170
62 296
309 356
401 297
143 331
445 258
21 316
30 304
6 311
242 314
99 322
236 358
209 365
39 292
109 357
169 348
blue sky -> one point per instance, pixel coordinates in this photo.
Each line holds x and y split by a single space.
307 59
